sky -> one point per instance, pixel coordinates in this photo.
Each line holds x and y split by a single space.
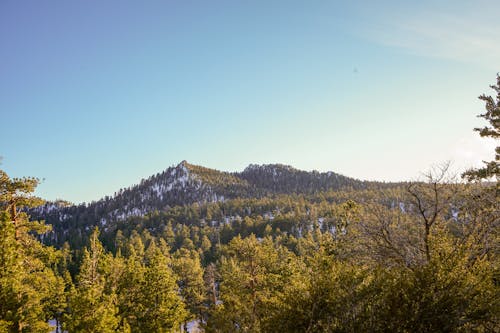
96 95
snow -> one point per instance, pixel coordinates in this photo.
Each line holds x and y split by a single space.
180 176
126 213
321 220
184 168
193 326
158 189
268 216
183 180
53 326
49 207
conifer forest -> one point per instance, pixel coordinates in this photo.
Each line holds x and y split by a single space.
269 249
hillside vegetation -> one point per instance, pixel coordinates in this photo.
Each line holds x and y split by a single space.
269 249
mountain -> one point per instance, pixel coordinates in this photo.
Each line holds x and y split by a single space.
186 184
279 178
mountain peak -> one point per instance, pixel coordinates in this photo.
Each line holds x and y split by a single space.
268 167
186 183
184 165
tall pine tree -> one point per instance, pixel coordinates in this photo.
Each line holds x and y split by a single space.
91 308
30 291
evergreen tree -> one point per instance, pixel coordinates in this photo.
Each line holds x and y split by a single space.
492 130
130 287
91 308
253 275
163 309
30 291
187 267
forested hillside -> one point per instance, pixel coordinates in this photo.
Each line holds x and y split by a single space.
187 185
270 249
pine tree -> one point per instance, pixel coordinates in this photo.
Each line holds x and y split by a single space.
30 291
91 308
492 116
187 266
253 275
130 287
163 309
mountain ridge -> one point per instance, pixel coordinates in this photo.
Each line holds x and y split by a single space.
185 184
206 176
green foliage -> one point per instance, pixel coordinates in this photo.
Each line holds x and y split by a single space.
492 130
163 309
91 307
451 293
253 275
283 252
30 291
394 260
187 266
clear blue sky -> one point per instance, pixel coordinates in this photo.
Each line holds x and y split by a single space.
95 95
